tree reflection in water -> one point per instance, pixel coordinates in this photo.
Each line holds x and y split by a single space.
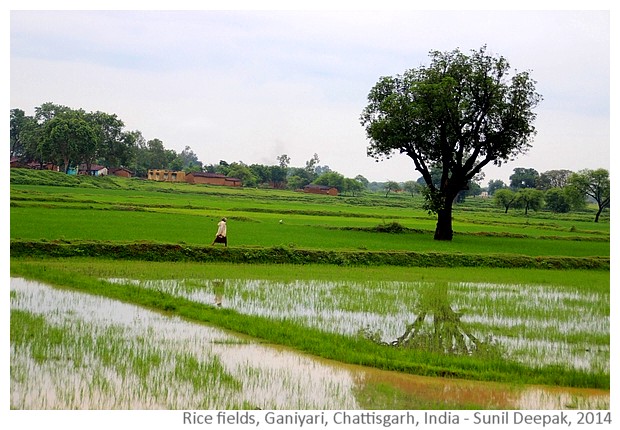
438 328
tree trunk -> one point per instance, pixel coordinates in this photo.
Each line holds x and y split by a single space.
443 231
598 214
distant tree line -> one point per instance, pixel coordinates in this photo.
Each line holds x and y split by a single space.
556 190
67 137
284 176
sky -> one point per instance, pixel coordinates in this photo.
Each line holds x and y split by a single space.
249 85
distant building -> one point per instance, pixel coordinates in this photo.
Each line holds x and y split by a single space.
82 169
164 175
121 171
95 170
212 179
321 189
16 162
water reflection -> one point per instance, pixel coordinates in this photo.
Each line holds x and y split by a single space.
80 374
218 292
534 324
439 328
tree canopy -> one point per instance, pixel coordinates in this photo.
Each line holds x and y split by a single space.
594 184
524 178
462 112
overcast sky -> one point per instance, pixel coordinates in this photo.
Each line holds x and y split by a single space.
251 85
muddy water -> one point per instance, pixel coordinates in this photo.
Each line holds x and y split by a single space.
253 375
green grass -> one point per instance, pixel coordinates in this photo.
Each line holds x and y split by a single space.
119 209
199 228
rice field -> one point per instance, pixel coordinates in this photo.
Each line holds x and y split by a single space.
531 324
71 350
85 352
519 325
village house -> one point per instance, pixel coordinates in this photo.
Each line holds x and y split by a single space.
320 189
17 163
82 169
212 179
164 175
121 171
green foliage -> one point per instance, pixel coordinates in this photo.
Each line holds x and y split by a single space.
529 198
392 227
291 255
594 184
553 179
504 198
557 201
331 179
495 185
523 178
461 112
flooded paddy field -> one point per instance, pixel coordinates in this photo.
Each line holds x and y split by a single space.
532 324
71 350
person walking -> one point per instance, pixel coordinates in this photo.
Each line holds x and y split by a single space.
220 236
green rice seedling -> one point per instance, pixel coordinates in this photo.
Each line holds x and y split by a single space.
136 359
478 317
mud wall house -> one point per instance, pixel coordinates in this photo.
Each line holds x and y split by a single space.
212 179
164 175
233 182
34 165
320 189
121 171
17 163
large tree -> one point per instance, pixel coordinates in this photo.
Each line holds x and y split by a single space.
553 179
331 179
23 128
461 112
494 185
529 198
68 138
504 198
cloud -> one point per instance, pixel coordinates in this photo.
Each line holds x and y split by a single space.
251 85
